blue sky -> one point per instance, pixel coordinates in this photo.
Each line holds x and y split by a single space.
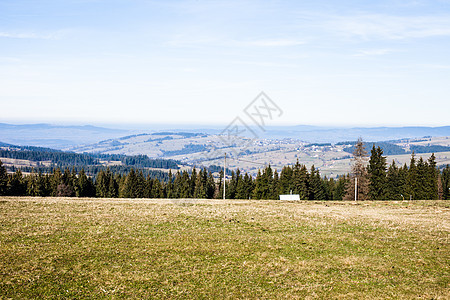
338 63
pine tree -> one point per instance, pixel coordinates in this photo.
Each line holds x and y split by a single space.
301 181
113 188
420 191
432 179
276 189
258 192
317 189
286 182
377 174
130 185
210 186
3 180
412 182
393 183
199 190
157 189
17 184
445 179
32 182
169 186
340 187
101 184
55 180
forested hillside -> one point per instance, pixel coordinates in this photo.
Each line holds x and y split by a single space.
420 180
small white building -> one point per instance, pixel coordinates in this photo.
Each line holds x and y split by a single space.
290 197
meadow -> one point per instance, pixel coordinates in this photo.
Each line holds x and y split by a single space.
56 248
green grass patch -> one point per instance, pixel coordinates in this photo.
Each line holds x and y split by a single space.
92 248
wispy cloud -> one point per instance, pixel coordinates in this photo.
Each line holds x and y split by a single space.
374 52
379 26
272 43
212 41
31 35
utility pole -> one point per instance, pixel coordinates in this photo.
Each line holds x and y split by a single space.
224 173
356 188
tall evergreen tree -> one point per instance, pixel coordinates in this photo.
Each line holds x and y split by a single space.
301 181
3 180
317 189
102 184
17 184
340 187
393 183
413 181
377 174
445 179
432 179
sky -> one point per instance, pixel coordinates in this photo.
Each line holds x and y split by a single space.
331 63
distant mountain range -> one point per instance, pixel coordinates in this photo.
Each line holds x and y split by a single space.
338 134
55 136
65 137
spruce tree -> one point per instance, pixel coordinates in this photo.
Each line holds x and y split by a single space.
421 189
413 181
393 183
445 179
210 186
340 187
17 184
301 181
317 189
3 180
377 174
101 184
432 178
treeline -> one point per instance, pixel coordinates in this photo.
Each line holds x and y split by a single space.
376 181
421 180
268 184
63 159
392 149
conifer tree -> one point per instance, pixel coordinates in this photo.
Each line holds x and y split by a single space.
3 180
157 189
55 180
276 189
301 181
210 186
17 184
259 189
393 183
130 185
420 191
32 182
102 184
169 186
286 182
432 179
113 188
340 187
377 174
317 189
445 179
199 190
412 182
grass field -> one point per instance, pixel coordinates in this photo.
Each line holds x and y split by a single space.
104 248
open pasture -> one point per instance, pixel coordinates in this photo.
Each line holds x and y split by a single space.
120 248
